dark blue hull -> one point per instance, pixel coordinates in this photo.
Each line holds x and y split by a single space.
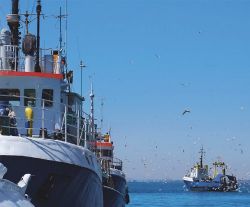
119 183
209 186
112 197
56 184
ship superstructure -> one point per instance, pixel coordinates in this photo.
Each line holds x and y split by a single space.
43 128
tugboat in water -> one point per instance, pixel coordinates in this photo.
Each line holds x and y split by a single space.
115 189
198 179
43 128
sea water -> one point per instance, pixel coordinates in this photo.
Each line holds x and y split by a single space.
174 194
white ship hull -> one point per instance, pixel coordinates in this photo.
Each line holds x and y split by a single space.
63 174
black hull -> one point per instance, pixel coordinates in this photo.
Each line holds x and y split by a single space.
119 183
55 184
112 198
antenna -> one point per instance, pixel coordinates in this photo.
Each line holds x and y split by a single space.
92 111
81 66
60 37
27 22
60 17
102 104
66 32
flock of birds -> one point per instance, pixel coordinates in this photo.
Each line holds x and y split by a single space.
148 163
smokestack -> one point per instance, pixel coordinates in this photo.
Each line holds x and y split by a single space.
13 22
15 6
38 11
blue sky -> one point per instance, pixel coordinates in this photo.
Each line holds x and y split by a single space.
152 59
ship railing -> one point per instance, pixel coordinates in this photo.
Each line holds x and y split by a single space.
116 163
69 125
105 164
9 60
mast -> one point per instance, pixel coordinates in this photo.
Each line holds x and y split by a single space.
60 17
60 38
38 11
27 22
66 33
81 67
201 157
102 104
92 112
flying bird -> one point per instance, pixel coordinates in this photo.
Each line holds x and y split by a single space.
186 111
157 56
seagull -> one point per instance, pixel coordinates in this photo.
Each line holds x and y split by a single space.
157 56
186 111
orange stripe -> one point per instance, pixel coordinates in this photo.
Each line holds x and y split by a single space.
32 74
103 144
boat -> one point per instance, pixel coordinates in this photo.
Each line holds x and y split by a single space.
43 128
199 179
12 194
115 189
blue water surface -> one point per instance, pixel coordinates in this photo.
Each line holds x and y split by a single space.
173 193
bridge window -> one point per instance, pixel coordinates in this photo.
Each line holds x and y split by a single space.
105 153
47 95
10 96
29 97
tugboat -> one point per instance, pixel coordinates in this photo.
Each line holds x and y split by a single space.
43 128
115 189
199 179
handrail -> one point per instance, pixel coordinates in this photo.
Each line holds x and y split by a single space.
72 125
117 163
15 62
9 60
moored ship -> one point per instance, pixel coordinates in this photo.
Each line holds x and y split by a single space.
199 179
115 189
44 131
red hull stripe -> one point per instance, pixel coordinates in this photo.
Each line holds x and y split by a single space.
31 74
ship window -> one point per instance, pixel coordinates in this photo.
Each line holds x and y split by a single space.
10 96
29 97
71 104
47 95
107 153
